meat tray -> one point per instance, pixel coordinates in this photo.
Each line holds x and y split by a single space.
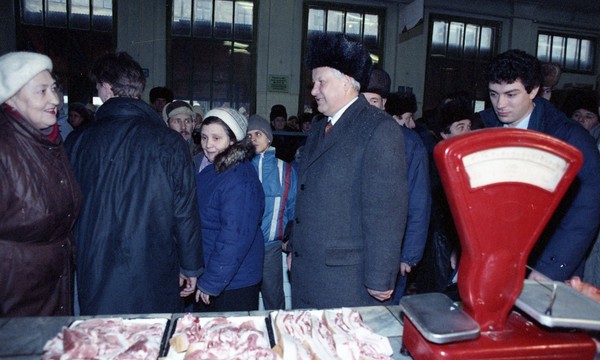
98 328
259 322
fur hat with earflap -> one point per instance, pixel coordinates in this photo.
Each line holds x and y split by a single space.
338 52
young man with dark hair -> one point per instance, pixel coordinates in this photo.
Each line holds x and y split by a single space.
514 79
138 236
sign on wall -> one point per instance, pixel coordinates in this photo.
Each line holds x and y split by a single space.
279 83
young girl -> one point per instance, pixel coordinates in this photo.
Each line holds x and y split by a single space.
231 203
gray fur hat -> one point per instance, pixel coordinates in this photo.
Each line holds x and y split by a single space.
257 122
338 52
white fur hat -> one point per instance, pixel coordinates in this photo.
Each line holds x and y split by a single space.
236 121
17 68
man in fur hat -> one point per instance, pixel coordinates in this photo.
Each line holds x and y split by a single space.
351 206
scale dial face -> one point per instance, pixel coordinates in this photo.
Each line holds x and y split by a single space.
515 164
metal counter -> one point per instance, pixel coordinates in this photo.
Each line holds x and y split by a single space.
25 337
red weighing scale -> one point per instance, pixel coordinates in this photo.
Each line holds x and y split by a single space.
503 186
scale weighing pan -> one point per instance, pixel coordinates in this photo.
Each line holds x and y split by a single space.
570 309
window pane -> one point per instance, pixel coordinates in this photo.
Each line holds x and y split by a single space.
486 42
572 53
203 14
471 41
371 38
180 66
243 20
182 17
335 21
558 49
56 13
316 20
586 55
102 15
455 41
438 37
80 14
354 26
223 19
543 49
242 77
31 12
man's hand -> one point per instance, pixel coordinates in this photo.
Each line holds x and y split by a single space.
404 269
381 295
586 289
288 261
189 284
205 297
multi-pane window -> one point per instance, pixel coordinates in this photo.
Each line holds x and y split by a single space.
72 14
212 59
459 51
572 53
461 40
359 24
73 33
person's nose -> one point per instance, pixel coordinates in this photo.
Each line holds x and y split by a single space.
315 89
502 101
53 98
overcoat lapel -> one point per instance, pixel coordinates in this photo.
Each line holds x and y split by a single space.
337 133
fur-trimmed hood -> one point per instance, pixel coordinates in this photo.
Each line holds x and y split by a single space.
234 155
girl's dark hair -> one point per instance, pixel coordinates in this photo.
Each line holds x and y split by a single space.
122 72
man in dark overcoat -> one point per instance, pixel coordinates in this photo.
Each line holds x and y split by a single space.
352 199
514 79
138 237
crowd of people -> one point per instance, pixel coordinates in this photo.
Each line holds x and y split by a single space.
169 208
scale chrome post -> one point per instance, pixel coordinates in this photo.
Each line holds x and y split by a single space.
503 186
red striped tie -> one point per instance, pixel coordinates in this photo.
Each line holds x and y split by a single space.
328 126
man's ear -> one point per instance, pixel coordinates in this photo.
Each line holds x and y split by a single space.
108 88
444 135
534 92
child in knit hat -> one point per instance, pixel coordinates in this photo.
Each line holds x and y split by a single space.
279 184
231 202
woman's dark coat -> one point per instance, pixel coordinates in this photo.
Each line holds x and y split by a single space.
39 202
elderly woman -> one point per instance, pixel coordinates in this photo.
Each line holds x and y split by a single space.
231 202
39 198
